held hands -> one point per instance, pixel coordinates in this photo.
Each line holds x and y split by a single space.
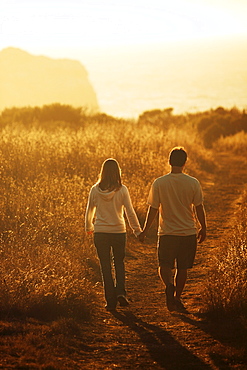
142 236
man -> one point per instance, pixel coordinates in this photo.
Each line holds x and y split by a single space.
178 199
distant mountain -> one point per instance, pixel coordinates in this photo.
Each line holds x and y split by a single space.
28 80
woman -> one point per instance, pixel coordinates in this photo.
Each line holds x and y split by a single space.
108 199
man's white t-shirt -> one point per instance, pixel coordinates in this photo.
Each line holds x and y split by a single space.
174 195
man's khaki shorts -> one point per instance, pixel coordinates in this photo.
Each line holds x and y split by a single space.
177 251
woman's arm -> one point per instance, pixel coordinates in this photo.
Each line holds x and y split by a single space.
131 215
152 212
89 215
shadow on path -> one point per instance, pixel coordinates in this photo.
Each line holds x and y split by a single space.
164 349
228 332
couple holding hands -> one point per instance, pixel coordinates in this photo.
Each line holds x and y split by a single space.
178 199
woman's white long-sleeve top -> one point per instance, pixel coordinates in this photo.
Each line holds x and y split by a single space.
105 211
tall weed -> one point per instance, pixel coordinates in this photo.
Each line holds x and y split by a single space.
226 287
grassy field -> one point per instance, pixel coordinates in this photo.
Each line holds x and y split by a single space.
45 180
49 268
48 264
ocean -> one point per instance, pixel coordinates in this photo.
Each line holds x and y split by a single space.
186 77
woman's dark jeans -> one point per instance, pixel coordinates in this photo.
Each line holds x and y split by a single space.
111 248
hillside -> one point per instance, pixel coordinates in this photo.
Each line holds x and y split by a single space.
28 80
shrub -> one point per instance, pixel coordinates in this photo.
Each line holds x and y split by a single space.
60 112
220 123
211 134
161 118
28 116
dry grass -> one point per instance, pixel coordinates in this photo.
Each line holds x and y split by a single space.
48 266
226 289
49 270
236 144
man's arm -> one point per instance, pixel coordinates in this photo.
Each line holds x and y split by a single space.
201 216
152 212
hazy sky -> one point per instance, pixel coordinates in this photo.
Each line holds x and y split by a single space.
47 26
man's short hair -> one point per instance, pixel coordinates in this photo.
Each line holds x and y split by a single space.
177 157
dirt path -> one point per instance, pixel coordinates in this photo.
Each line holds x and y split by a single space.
146 335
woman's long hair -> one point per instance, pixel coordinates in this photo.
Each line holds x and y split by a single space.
110 175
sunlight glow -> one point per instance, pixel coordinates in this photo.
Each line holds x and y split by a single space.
94 23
